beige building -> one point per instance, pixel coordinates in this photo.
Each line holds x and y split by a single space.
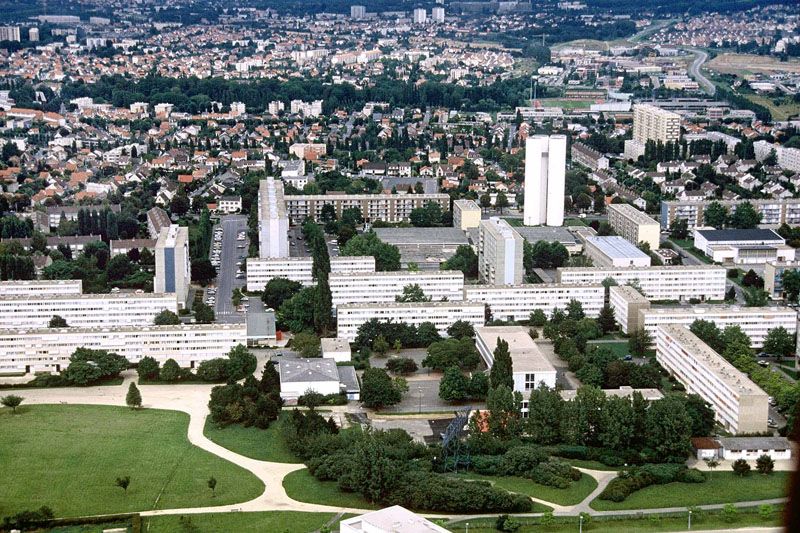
651 123
499 253
739 405
634 225
466 214
626 303
173 263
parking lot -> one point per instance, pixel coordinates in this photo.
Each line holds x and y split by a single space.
228 254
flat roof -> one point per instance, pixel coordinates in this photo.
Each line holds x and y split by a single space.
317 369
654 268
534 234
525 354
348 378
699 311
399 236
616 247
622 392
467 204
739 235
755 443
334 344
261 323
629 293
637 215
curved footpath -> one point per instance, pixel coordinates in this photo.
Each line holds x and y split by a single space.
193 399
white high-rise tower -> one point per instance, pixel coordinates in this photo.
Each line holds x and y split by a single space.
545 166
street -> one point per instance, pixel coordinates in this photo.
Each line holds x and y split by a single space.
231 226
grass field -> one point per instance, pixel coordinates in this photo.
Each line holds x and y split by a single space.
303 487
565 103
574 222
619 348
723 487
68 458
782 110
262 444
746 64
272 521
577 491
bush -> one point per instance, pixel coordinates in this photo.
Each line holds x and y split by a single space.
401 365
506 523
214 370
692 475
520 461
637 478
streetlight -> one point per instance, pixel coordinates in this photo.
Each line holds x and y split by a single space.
419 392
467 527
690 519
580 524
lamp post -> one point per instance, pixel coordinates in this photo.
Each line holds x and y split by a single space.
690 519
580 524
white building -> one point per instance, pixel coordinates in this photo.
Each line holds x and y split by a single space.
350 317
273 223
466 214
614 252
229 204
660 283
517 302
173 263
299 376
307 109
634 225
756 322
651 123
10 33
751 448
626 302
437 14
374 287
357 12
49 349
742 246
335 348
545 167
276 107
420 16
386 207
774 212
530 367
393 519
261 271
739 405
40 288
499 253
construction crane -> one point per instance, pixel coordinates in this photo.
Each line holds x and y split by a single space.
542 35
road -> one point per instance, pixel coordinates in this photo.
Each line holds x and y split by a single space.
700 57
226 276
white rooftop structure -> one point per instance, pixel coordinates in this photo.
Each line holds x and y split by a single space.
393 519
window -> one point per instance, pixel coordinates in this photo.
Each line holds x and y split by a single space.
530 381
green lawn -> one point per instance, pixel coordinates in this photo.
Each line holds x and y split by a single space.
576 493
574 222
68 458
303 487
272 521
723 487
516 222
262 444
620 349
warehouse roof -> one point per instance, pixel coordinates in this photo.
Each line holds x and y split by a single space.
729 235
293 370
616 247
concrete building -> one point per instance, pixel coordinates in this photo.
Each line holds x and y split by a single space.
157 219
85 310
261 271
420 16
386 207
499 253
299 376
173 263
531 368
563 236
751 448
350 317
626 303
49 349
756 322
634 226
651 123
229 204
273 223
437 15
40 288
659 283
393 519
739 405
545 167
425 247
773 276
742 246
517 302
10 33
466 214
357 12
335 348
588 157
774 212
614 252
649 395
375 287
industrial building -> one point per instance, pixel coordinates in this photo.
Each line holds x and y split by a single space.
427 248
742 246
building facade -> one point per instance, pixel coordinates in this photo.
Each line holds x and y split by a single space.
634 226
774 212
273 222
466 214
545 168
386 207
773 276
40 288
173 263
375 287
517 302
499 253
261 271
626 303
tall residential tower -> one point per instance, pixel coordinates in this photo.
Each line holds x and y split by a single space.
545 166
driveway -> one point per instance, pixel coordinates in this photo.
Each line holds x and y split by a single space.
231 226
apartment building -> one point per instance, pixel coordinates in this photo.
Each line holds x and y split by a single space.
40 288
517 302
660 283
651 123
9 33
273 222
588 157
756 322
173 263
85 310
545 168
385 207
49 349
774 212
499 253
261 271
739 405
350 317
466 214
773 276
614 252
626 302
375 287
157 218
634 226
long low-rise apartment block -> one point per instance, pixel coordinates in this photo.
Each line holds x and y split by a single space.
774 212
386 207
261 271
85 310
517 302
703 282
626 302
273 223
350 317
39 288
49 349
374 287
756 322
634 226
740 406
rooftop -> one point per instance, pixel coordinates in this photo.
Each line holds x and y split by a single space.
399 236
525 354
739 235
534 234
755 443
616 247
393 519
638 216
302 370
334 344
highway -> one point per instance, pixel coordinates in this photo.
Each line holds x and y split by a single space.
700 57
226 273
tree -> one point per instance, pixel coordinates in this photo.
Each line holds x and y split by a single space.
502 372
485 201
452 352
574 310
668 427
241 362
606 319
501 201
639 341
745 216
711 463
755 297
148 368
538 318
166 318
203 314
134 398
297 313
791 285
544 407
380 345
401 365
412 293
679 229
504 407
387 256
212 484
461 329
123 482
764 464
57 322
89 366
709 333
543 254
741 467
427 216
378 389
779 342
12 401
202 271
171 371
715 215
616 424
119 267
465 260
454 385
306 343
